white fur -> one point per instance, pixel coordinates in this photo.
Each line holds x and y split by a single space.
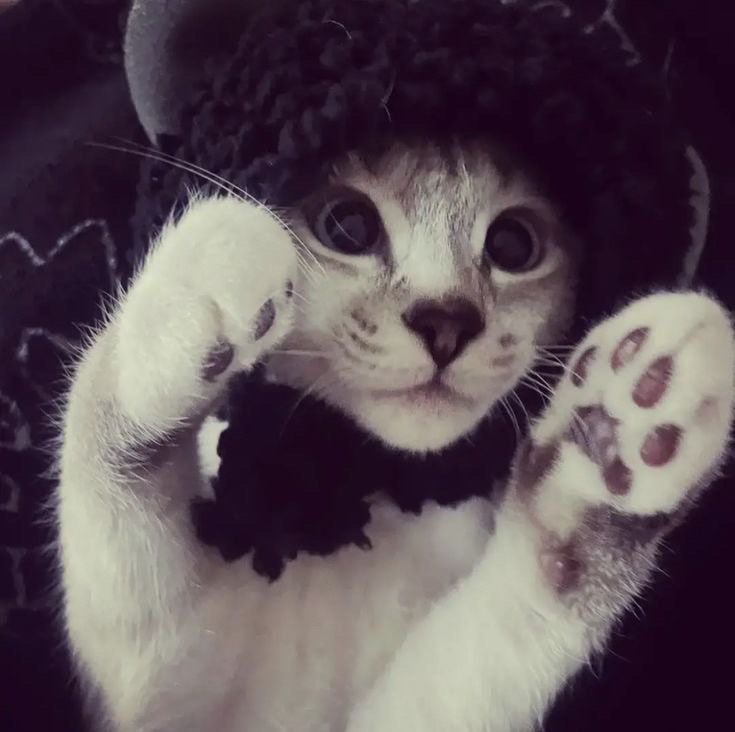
428 259
440 626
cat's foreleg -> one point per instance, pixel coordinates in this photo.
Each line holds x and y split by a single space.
212 297
635 431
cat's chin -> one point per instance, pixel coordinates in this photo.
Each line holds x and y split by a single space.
417 421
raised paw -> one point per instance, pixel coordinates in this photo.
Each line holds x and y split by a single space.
213 297
638 425
643 415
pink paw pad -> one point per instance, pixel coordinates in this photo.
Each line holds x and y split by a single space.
596 433
535 461
218 360
661 445
652 386
561 567
579 371
628 348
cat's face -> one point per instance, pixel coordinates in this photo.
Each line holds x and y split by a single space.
429 281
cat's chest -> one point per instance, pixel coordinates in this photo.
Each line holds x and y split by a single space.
303 649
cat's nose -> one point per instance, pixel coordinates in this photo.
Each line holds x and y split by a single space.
445 326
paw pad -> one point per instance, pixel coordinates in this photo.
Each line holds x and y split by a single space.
264 320
628 348
579 372
218 360
618 477
652 386
534 462
661 445
562 567
595 432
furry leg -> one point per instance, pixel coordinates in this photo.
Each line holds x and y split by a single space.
212 297
634 432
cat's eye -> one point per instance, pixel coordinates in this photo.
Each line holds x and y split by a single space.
348 223
513 245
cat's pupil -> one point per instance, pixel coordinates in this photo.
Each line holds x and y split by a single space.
510 246
351 227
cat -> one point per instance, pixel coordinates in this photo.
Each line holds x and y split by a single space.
413 293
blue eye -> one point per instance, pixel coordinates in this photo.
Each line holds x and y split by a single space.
512 245
349 224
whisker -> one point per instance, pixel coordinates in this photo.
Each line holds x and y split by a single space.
551 357
523 407
536 391
558 368
314 387
558 347
543 381
541 388
297 352
222 183
511 415
299 309
581 434
305 299
551 370
151 154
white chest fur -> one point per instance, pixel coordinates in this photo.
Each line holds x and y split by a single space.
298 653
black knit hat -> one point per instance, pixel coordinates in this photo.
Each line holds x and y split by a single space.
313 79
309 80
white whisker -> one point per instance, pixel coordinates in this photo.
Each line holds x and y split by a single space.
222 183
523 408
315 387
541 388
511 415
297 352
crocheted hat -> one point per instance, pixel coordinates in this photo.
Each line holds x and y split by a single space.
309 80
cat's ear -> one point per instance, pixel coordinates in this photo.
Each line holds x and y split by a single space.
167 43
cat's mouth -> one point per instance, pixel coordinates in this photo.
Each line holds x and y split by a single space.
433 392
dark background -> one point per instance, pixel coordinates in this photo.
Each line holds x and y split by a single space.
61 85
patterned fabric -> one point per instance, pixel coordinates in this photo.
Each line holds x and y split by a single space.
65 240
64 209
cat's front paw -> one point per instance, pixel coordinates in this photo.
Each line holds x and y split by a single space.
213 297
637 426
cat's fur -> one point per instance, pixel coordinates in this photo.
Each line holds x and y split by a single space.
469 618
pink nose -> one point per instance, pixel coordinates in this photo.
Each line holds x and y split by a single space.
445 326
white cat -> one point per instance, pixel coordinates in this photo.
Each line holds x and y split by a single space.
412 294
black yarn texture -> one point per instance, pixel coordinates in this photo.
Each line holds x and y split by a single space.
311 83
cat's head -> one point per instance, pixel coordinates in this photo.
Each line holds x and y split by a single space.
434 245
430 280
